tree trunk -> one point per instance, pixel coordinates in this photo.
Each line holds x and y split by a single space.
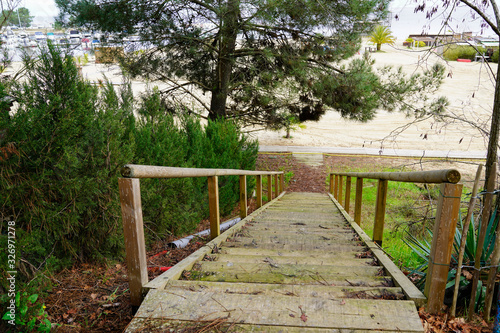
227 45
492 156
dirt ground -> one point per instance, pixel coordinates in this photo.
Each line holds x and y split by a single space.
95 298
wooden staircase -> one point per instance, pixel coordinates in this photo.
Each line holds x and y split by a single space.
297 265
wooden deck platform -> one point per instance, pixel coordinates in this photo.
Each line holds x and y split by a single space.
299 264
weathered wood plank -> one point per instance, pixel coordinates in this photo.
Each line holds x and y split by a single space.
378 227
258 283
287 289
400 280
338 260
288 269
187 263
302 246
318 254
133 232
282 310
298 233
165 325
213 203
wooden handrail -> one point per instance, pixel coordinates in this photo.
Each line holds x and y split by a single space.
130 197
151 171
426 177
444 227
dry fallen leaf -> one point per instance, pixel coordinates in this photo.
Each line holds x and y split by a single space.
94 296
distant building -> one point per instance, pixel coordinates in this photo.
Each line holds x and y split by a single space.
437 39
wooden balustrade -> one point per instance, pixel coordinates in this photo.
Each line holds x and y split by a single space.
446 217
130 197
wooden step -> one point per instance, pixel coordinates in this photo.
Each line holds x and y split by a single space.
288 269
287 289
305 245
343 260
284 311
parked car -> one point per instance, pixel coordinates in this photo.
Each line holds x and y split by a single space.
40 36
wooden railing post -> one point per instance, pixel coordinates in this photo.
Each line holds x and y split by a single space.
133 232
378 228
213 203
332 176
358 201
448 207
336 187
340 190
282 182
258 189
269 187
347 193
276 186
243 197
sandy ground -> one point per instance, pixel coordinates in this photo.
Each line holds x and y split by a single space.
469 88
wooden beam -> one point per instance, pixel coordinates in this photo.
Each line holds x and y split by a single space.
336 187
448 207
378 228
340 189
426 177
347 193
258 180
133 232
358 201
332 176
269 188
282 182
276 186
151 171
243 197
213 203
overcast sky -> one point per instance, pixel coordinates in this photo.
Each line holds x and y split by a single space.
408 22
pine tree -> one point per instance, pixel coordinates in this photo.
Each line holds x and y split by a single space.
260 61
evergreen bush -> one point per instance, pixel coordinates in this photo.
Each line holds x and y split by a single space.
176 205
60 156
60 180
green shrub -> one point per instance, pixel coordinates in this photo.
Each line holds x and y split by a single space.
176 205
64 147
494 57
455 52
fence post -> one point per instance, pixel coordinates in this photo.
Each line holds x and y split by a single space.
276 186
282 182
258 180
336 187
269 188
378 228
340 190
243 196
213 203
358 201
448 207
347 193
133 232
331 183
